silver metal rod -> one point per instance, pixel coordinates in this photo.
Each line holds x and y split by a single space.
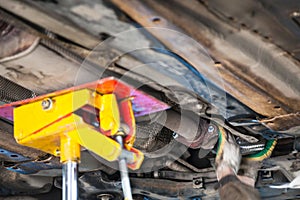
124 174
70 189
125 180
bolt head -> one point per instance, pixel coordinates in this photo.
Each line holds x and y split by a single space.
47 104
175 135
211 128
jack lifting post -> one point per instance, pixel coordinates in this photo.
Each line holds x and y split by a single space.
124 173
70 160
88 116
70 188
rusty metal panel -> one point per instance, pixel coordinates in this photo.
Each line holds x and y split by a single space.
195 20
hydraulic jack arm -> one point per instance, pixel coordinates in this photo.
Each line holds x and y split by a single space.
58 125
98 116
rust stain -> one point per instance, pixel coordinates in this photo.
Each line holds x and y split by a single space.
240 87
283 122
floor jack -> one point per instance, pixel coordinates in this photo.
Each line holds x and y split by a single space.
98 116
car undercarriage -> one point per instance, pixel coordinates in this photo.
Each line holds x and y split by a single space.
232 64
